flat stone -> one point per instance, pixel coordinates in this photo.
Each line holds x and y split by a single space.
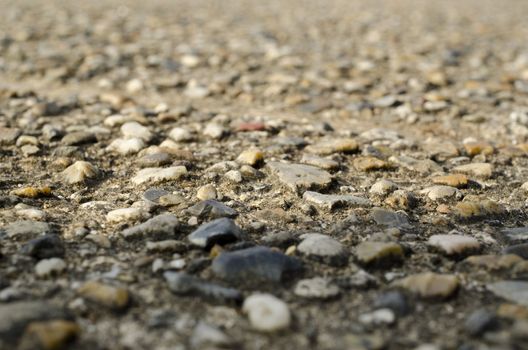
323 163
183 284
474 148
513 291
106 295
49 267
44 247
316 288
383 187
27 229
453 244
219 231
482 170
49 335
494 262
520 250
251 157
429 285
79 172
159 227
16 316
322 248
436 193
168 245
473 210
379 253
300 177
390 218
266 312
78 138
211 209
425 166
32 192
136 130
453 180
154 194
326 147
126 146
206 336
154 160
255 264
180 135
8 136
126 215
207 192
330 201
155 175
516 234
370 164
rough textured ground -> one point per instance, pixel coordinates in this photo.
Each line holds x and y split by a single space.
396 130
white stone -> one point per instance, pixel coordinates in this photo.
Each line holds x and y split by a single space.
125 214
453 243
234 176
441 192
316 287
320 245
214 130
206 192
483 170
126 146
378 317
159 174
116 119
134 85
134 129
266 312
32 213
330 201
47 267
79 172
180 135
383 187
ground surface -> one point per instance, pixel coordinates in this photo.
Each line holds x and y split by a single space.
380 99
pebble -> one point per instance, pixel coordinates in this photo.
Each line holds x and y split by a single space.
436 193
513 291
429 285
159 227
126 146
267 313
453 180
207 192
44 247
16 316
251 157
180 135
112 297
472 210
390 218
206 336
219 231
27 229
322 248
154 160
49 335
326 147
425 166
234 176
184 284
211 209
378 317
32 192
479 322
520 250
383 187
330 202
300 177
155 175
258 263
482 170
379 253
169 245
516 234
454 244
475 148
323 163
78 138
8 136
316 288
395 301
79 172
136 130
494 262
154 194
49 267
125 215
370 164
214 131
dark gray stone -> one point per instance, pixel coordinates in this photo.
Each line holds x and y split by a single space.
390 218
394 300
514 291
154 194
479 322
78 138
219 231
184 284
159 227
255 264
516 234
212 209
518 249
154 160
48 246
